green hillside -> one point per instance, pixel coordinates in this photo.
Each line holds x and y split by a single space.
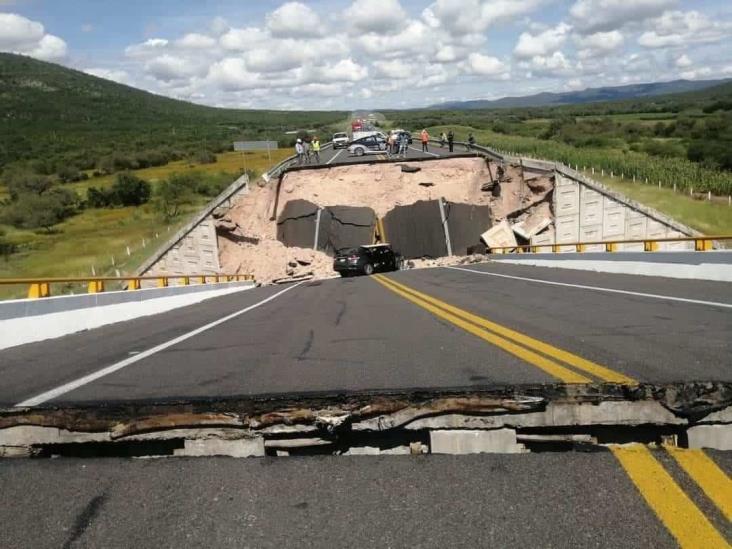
55 117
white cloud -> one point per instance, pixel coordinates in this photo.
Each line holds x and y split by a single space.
21 35
696 74
591 16
218 26
415 38
450 54
542 44
196 41
231 74
575 84
388 17
470 16
148 48
599 43
683 61
345 70
294 20
242 39
319 90
550 66
170 67
395 69
484 65
281 56
678 28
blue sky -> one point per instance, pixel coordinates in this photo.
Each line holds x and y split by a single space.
372 53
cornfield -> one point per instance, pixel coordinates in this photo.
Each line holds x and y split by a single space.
686 175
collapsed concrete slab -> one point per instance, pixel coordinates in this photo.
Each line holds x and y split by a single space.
416 230
538 220
466 222
499 236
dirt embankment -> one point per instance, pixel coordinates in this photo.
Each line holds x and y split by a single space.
248 237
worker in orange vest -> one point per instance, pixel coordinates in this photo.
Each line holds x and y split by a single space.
425 140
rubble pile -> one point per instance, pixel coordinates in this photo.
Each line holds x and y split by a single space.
519 203
520 206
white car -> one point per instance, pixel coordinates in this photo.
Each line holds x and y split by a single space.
372 144
340 140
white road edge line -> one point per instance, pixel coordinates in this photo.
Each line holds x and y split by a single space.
67 387
424 152
336 155
599 288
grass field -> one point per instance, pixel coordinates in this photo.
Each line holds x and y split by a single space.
96 236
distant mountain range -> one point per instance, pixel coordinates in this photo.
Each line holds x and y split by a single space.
590 95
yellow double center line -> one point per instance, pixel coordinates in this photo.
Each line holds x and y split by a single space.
678 513
550 359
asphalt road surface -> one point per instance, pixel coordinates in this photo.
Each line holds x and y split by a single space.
530 500
477 325
486 325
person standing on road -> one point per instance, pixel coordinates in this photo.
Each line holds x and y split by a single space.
393 143
306 151
471 141
443 140
300 151
403 144
425 140
451 140
316 149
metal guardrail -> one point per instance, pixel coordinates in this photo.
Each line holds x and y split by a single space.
701 244
41 287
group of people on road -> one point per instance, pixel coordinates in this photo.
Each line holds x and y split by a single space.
307 153
449 140
397 144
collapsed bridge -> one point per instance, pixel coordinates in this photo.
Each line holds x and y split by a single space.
288 224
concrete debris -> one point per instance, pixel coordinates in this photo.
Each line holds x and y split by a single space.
538 220
219 212
718 437
489 186
231 448
499 441
293 278
470 259
540 184
544 238
495 420
410 169
513 197
499 236
225 224
296 442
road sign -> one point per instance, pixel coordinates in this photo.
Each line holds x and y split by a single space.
255 145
